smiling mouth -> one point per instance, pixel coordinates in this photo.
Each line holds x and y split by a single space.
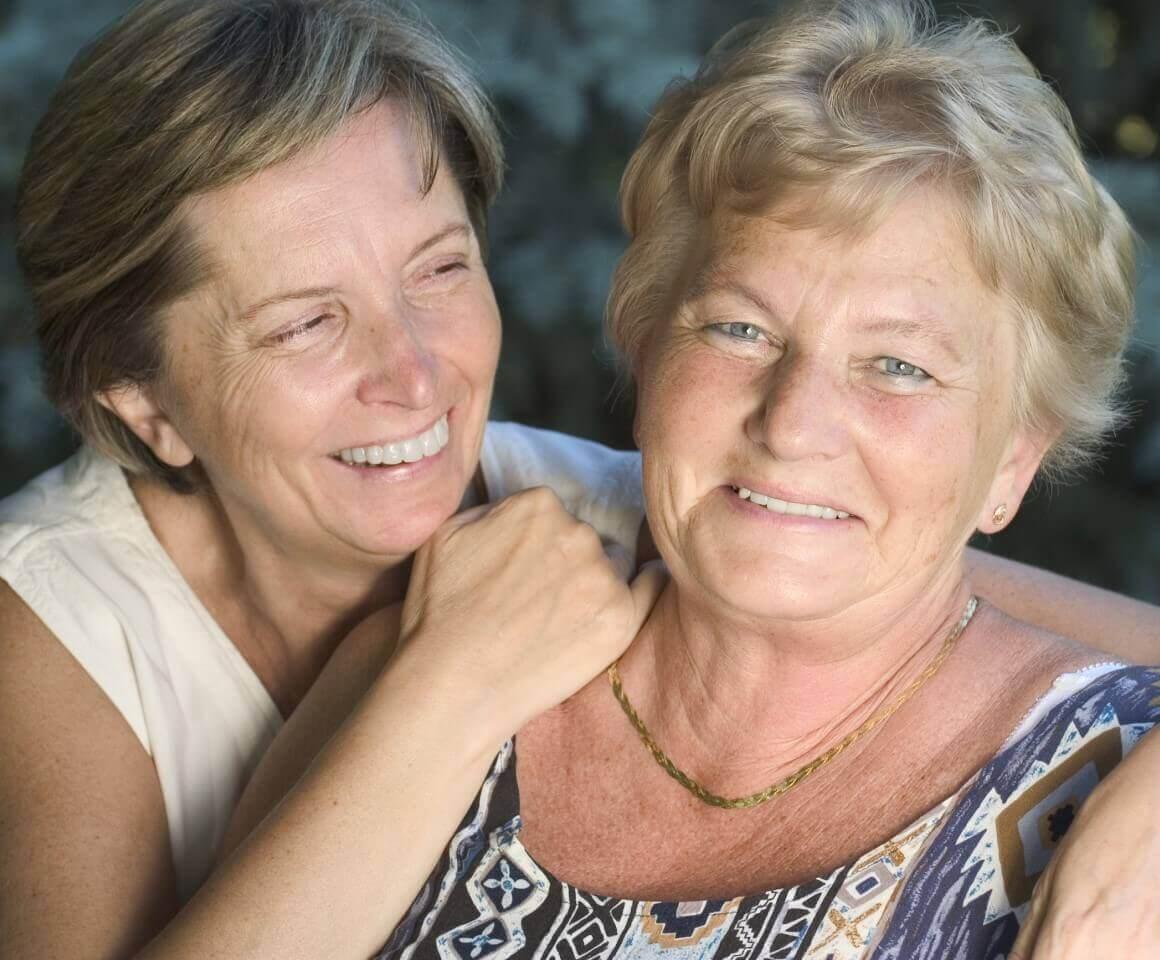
789 507
411 450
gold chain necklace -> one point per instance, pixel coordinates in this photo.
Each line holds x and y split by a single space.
783 786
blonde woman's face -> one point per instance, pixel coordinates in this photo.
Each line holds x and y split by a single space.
825 420
334 376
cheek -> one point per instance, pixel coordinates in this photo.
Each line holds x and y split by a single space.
481 345
259 402
467 336
919 451
925 462
690 398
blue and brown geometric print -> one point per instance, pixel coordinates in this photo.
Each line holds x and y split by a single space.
752 926
1014 838
803 910
685 924
505 887
967 894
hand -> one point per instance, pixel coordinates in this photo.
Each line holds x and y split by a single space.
1099 896
517 604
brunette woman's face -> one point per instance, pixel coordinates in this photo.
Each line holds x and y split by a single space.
333 377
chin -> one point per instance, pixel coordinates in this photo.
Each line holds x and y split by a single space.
780 588
395 532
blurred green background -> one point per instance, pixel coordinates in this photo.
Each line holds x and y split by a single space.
574 80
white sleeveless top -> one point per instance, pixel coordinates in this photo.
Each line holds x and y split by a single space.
76 548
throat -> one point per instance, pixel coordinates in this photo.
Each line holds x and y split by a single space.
736 729
285 634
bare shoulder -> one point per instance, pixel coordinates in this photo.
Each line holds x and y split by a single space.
83 832
1026 657
1004 666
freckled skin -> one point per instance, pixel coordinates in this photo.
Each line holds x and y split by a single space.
920 465
402 337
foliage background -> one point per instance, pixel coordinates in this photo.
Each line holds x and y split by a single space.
574 80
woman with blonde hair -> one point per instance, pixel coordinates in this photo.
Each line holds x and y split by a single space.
253 231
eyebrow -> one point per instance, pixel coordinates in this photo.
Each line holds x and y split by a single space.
927 328
708 281
309 293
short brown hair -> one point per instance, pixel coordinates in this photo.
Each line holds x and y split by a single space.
855 101
181 97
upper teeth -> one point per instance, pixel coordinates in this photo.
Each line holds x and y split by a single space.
788 506
429 442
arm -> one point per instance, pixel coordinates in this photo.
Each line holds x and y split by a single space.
336 864
510 611
85 865
1124 628
349 673
507 614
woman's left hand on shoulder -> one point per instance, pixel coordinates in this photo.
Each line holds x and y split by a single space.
1100 896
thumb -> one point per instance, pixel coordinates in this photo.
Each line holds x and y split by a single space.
646 589
1024 947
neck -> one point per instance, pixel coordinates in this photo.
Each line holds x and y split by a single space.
302 603
741 704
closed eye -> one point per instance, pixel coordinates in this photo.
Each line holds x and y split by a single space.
443 270
299 330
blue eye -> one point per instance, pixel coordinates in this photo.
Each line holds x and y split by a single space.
893 367
741 331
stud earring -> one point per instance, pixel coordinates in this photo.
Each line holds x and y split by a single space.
999 517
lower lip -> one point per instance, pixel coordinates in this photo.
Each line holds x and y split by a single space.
790 521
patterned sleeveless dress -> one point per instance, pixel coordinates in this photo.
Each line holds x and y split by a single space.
954 884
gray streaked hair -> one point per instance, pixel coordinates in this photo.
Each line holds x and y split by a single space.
181 97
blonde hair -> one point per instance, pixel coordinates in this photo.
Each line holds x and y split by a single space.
181 97
856 101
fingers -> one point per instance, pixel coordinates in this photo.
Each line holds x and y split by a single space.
646 589
1024 948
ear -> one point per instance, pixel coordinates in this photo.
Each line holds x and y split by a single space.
137 407
1025 451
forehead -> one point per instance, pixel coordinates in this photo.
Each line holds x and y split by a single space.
911 268
353 191
919 240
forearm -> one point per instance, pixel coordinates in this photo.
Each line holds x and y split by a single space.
509 612
1126 629
336 864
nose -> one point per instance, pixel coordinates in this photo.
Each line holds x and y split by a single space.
802 414
400 366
